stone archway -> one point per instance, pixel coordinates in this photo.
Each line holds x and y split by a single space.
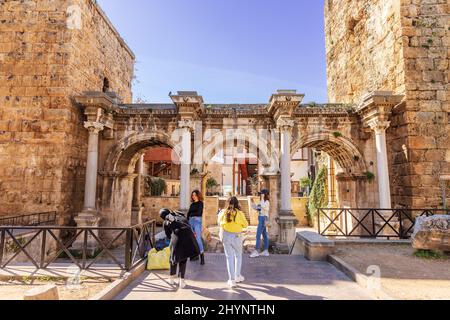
119 133
342 149
266 152
118 177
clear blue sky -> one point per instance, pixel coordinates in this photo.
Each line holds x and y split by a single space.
230 51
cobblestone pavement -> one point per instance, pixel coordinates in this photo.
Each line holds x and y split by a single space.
271 278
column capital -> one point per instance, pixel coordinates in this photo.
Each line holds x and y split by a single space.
377 106
94 127
186 124
285 125
379 126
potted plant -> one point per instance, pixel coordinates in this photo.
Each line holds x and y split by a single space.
210 184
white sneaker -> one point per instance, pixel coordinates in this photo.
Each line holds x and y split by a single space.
172 281
240 279
231 283
182 284
265 253
254 254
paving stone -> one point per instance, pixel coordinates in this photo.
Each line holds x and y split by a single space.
273 278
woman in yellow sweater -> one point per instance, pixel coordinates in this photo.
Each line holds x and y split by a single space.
232 222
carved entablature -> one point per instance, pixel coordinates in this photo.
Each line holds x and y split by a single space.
188 104
236 110
284 103
377 107
99 109
325 110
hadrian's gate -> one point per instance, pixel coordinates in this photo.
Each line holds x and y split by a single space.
353 136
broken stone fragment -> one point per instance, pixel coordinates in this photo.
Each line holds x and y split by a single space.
46 292
432 233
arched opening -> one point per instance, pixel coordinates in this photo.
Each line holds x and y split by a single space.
336 176
160 181
130 168
232 162
236 162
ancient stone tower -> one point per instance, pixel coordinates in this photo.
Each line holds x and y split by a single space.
401 46
51 50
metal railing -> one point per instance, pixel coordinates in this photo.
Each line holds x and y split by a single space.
35 219
371 223
129 244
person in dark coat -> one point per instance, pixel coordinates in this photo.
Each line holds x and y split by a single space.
183 244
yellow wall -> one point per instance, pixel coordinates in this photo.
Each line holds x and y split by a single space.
299 208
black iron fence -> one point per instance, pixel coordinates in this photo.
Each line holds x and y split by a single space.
35 219
82 246
371 223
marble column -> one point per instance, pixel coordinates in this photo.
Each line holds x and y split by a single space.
186 127
90 190
286 218
89 217
380 127
285 166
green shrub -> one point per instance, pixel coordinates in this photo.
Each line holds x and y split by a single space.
154 187
429 254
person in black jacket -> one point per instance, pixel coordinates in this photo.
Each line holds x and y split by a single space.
183 244
195 218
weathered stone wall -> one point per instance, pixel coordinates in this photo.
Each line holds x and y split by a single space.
400 46
44 61
426 40
363 47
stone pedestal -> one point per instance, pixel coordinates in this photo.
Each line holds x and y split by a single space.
89 219
287 232
271 182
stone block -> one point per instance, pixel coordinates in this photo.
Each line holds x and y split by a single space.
313 246
47 292
432 233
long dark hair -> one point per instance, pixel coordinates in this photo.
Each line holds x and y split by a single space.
233 207
198 194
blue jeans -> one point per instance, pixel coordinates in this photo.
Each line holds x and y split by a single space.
262 231
232 244
196 225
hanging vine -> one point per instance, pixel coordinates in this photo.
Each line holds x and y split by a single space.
318 197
